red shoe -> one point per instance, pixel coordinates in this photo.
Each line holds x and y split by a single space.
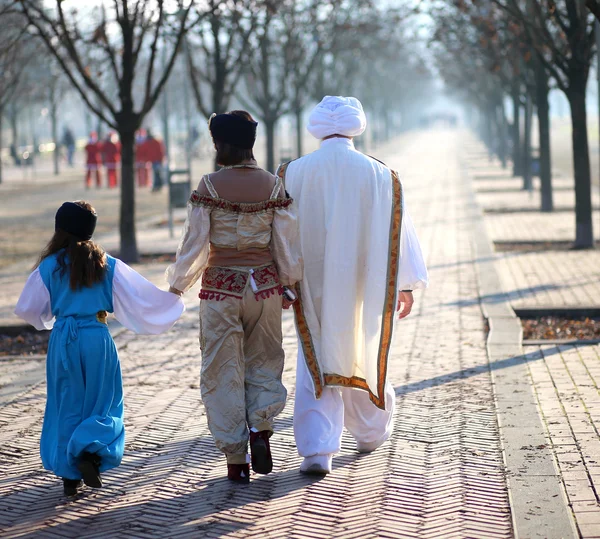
240 473
260 449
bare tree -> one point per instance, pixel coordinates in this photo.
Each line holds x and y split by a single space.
393 80
268 72
293 49
506 54
57 87
563 38
112 39
311 30
217 49
14 59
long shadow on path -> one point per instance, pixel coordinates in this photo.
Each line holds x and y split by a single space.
170 512
487 367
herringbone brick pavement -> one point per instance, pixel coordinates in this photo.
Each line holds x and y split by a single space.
440 475
565 377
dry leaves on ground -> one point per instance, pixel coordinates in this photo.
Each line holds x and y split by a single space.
558 327
25 343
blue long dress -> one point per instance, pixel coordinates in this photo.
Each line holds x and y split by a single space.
84 408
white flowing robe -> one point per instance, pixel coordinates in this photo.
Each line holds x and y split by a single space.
359 248
139 305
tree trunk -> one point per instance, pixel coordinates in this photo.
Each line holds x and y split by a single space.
54 123
516 134
481 126
270 127
1 118
128 250
14 127
100 126
299 131
89 121
584 235
501 125
543 114
489 133
526 172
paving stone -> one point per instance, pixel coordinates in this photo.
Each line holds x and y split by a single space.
442 474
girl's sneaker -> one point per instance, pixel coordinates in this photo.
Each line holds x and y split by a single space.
88 465
70 486
240 473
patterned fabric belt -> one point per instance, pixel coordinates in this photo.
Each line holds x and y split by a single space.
219 283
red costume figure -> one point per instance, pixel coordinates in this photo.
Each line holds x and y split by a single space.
93 161
154 152
111 154
141 161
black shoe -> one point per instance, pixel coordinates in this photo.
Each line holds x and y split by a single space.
240 473
70 486
260 450
88 466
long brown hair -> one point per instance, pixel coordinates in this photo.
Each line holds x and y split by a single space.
84 260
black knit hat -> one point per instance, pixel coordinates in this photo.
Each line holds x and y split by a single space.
233 129
75 220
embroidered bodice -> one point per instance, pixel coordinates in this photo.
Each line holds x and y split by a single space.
244 236
239 225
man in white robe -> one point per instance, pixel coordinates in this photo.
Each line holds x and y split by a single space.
362 260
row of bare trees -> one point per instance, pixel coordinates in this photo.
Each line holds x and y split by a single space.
276 57
273 57
492 51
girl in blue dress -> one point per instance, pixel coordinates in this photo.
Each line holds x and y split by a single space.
73 287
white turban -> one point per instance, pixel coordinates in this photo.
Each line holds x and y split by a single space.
336 115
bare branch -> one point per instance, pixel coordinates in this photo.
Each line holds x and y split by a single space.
35 22
153 47
150 100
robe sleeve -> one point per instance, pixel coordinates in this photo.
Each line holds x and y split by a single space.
34 303
412 273
192 253
140 306
285 245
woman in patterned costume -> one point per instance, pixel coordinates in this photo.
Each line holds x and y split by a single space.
241 236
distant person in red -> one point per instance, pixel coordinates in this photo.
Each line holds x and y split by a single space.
155 153
93 161
111 155
141 161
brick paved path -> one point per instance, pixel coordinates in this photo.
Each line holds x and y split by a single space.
559 278
566 385
565 378
441 474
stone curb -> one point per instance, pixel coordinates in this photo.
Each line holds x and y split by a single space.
537 495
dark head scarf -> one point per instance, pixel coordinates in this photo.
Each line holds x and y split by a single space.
75 220
234 130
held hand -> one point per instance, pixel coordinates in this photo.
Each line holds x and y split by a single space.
405 303
175 291
289 296
286 304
